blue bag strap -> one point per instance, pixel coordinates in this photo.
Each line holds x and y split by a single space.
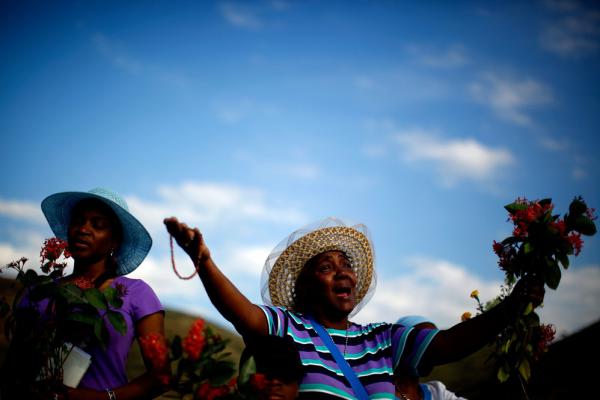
357 387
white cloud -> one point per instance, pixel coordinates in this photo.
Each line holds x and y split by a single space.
510 98
439 290
245 260
184 295
576 33
241 15
451 57
26 210
30 243
208 204
455 159
574 304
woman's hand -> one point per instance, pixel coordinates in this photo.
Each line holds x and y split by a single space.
529 289
190 240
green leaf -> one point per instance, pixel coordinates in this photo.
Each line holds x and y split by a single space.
176 348
524 369
84 318
29 277
110 294
42 280
577 206
221 373
545 201
506 346
563 259
71 293
96 298
527 247
514 207
117 321
528 309
531 320
101 333
552 275
503 374
247 369
584 225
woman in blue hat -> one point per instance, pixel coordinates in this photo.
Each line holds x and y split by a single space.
107 242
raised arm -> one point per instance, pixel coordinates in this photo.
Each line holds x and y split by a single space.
469 336
247 318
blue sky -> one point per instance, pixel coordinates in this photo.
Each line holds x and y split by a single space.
252 119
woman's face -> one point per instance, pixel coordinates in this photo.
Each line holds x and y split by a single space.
331 282
92 232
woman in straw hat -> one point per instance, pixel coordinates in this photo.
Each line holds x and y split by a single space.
107 242
313 281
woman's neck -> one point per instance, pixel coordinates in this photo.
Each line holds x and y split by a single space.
329 321
90 270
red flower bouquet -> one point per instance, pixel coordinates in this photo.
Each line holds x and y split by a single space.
540 244
74 315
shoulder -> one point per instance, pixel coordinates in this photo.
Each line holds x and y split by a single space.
133 288
131 283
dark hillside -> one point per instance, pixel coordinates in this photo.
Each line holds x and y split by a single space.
564 372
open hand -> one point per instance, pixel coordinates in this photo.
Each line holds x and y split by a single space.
189 239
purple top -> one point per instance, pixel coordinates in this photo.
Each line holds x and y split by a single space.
107 369
108 366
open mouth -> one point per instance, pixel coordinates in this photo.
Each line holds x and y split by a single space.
343 291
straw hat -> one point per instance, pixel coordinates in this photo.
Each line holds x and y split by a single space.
136 241
285 262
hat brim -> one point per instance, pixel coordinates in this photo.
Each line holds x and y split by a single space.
356 245
136 241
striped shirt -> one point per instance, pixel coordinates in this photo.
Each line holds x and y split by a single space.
373 351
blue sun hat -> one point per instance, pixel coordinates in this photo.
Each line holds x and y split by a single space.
136 241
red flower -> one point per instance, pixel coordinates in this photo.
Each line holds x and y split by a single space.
208 392
590 214
155 349
560 226
258 382
121 290
53 248
498 248
544 335
194 342
83 283
576 242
